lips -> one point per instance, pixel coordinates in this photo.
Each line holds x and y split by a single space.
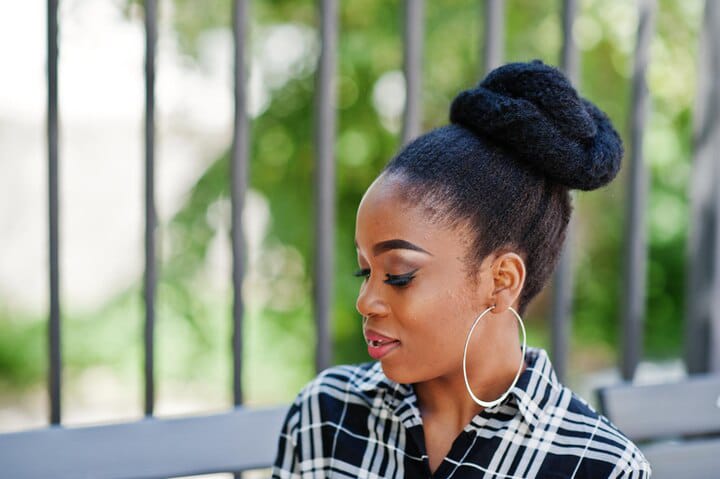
379 345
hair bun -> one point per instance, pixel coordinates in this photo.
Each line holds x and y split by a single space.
532 110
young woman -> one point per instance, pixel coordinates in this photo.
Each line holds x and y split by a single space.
454 238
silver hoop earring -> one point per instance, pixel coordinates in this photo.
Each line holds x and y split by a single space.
497 401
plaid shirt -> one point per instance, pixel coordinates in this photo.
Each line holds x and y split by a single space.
352 421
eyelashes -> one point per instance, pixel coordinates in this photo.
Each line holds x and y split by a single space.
391 279
399 279
362 273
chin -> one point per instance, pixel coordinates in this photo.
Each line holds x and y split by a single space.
400 374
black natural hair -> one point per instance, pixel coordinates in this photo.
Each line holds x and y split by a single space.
516 145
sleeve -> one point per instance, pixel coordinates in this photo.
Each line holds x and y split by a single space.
637 467
287 462
642 472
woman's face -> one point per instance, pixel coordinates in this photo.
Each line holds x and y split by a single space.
418 299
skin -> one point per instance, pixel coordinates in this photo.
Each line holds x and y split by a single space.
433 313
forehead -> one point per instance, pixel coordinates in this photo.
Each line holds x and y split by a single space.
386 212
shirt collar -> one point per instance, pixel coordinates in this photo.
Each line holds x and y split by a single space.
537 386
399 399
373 378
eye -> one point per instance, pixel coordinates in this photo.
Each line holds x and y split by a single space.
362 273
400 279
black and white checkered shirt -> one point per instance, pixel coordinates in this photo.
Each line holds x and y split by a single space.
352 421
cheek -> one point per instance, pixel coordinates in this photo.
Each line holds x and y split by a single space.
450 295
440 317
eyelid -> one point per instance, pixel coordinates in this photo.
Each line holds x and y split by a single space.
403 275
400 279
392 279
362 272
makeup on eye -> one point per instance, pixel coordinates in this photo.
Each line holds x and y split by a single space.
399 279
391 279
362 273
404 260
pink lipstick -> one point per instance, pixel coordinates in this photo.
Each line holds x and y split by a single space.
378 344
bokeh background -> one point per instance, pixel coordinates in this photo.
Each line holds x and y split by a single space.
101 157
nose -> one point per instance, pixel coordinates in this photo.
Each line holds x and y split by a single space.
370 301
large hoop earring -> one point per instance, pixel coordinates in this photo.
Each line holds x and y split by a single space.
497 401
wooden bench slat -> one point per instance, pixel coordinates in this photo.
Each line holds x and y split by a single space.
664 410
238 440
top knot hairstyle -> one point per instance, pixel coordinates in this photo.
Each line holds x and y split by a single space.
534 112
517 143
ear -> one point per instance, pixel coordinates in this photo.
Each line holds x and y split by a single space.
508 270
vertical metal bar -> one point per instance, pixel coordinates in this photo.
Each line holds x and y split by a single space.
570 61
633 313
412 59
55 355
150 215
325 181
713 338
239 181
493 51
702 328
561 320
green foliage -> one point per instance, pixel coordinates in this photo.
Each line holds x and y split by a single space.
279 351
370 45
22 352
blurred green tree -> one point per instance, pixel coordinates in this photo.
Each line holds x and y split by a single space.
280 339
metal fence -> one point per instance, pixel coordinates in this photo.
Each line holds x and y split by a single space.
325 121
703 312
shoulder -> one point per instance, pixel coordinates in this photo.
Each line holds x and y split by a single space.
331 418
573 433
347 383
606 448
337 391
346 379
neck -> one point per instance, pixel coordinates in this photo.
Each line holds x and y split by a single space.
490 374
446 398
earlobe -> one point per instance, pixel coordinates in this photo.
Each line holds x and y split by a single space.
508 279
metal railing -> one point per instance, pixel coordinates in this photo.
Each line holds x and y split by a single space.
633 311
562 279
55 355
702 332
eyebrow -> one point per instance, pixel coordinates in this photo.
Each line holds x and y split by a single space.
388 245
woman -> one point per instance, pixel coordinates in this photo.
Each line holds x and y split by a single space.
455 237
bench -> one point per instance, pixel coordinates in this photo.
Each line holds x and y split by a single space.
676 425
239 440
